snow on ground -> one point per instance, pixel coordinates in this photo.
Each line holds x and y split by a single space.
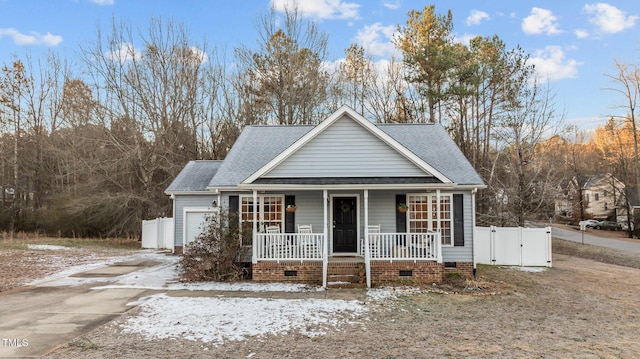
529 269
216 320
62 278
47 247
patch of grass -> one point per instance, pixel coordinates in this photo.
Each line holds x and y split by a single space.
596 253
83 344
20 242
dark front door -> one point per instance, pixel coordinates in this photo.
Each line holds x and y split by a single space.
345 224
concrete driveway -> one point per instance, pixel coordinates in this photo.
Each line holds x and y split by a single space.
36 319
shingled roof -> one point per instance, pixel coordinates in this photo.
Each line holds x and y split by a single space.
257 146
194 177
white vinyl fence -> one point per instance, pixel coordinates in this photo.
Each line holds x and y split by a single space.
515 246
157 233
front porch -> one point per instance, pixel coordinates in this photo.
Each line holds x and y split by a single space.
391 256
351 224
382 247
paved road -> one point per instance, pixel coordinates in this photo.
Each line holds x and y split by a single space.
591 237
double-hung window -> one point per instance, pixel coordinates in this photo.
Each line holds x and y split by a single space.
270 211
426 214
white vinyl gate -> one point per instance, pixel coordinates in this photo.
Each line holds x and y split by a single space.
515 246
157 233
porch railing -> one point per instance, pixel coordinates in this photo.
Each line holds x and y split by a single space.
383 246
288 246
404 246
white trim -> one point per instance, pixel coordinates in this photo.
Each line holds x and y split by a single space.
325 247
342 111
367 249
186 210
438 196
258 209
179 193
330 234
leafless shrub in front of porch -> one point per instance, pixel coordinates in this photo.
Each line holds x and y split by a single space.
213 256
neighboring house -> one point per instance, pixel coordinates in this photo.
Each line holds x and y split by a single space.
323 200
603 196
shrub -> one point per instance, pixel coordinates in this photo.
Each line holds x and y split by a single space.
213 256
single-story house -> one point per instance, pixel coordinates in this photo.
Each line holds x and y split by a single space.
324 201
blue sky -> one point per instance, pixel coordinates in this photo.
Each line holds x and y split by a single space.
572 43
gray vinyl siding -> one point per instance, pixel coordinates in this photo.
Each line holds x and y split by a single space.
182 201
382 211
346 149
309 210
462 254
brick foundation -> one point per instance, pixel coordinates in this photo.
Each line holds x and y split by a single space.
462 268
306 272
178 250
406 272
381 272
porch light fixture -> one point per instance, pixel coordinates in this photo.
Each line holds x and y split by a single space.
215 203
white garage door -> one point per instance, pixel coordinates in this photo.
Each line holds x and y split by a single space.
194 222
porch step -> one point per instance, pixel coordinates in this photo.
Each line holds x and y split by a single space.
345 275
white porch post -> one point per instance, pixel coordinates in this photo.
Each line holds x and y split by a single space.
438 210
255 224
325 244
473 229
367 254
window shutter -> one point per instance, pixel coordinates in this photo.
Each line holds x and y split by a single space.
401 218
458 220
289 217
234 204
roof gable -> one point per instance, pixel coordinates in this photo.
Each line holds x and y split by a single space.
331 149
346 149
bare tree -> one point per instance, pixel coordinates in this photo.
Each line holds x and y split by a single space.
626 82
154 90
285 79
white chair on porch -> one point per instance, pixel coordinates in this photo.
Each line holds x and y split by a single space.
276 242
307 243
374 240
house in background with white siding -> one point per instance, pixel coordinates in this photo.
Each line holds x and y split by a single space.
341 202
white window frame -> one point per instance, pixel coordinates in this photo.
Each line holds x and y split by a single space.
432 217
261 211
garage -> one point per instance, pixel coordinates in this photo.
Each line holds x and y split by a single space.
194 222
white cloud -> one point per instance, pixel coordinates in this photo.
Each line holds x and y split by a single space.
33 38
476 17
581 34
102 2
125 52
465 39
376 39
540 21
609 19
392 5
199 55
551 64
320 9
